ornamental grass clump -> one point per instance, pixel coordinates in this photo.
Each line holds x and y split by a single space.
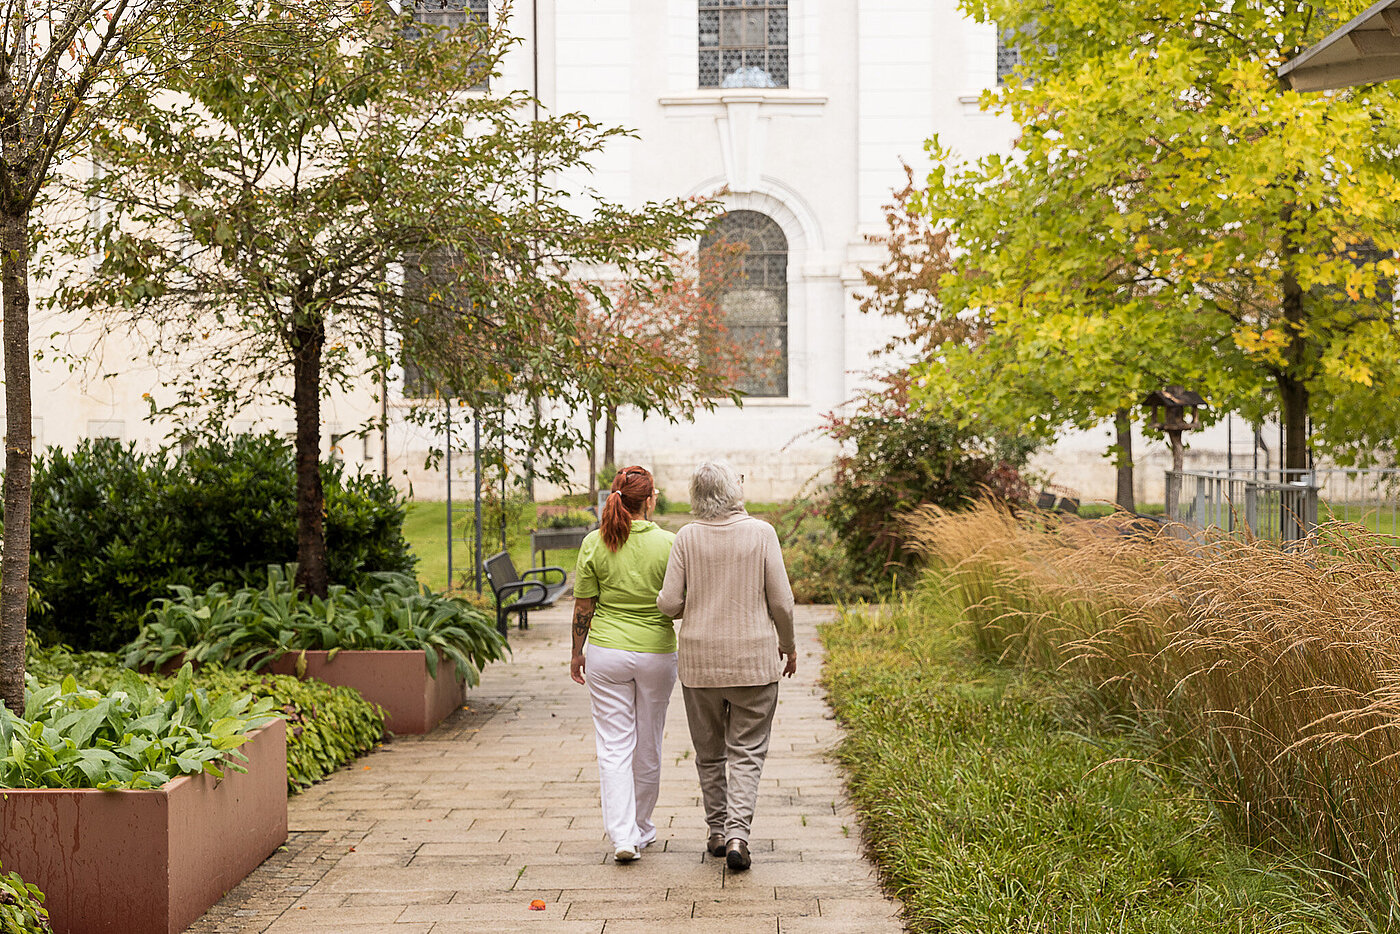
1273 673
250 627
135 736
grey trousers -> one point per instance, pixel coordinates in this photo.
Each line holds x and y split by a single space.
730 728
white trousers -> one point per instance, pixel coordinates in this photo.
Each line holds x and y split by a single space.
629 693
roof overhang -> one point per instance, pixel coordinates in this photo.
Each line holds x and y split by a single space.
1364 51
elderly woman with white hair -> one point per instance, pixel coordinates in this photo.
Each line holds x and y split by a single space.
726 581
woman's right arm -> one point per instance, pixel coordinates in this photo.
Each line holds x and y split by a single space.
584 608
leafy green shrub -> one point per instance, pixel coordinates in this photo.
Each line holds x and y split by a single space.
21 907
817 565
114 528
248 628
327 726
136 736
898 456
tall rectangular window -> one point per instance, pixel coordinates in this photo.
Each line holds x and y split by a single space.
743 43
444 16
1008 54
452 14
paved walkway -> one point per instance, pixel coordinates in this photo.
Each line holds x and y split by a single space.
460 830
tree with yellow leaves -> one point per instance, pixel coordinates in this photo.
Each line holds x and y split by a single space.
1170 214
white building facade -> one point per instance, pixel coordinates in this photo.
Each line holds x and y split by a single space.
796 114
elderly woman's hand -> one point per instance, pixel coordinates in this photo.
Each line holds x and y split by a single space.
790 668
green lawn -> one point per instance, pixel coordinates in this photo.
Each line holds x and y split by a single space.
997 800
426 530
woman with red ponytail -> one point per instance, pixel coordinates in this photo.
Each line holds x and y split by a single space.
630 664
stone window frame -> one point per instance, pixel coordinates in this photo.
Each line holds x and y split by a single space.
764 267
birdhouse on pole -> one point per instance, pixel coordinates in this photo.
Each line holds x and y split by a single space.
1173 411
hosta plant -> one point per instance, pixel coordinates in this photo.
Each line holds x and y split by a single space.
327 726
21 907
247 628
135 736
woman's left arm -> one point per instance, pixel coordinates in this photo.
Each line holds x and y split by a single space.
777 592
584 608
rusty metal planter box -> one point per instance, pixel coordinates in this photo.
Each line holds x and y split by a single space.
148 862
395 679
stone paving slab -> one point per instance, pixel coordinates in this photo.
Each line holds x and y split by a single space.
458 831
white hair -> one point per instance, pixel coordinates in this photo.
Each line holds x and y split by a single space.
715 491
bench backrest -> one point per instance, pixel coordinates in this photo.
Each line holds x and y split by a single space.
500 570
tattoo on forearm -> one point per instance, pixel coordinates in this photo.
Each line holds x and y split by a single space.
583 621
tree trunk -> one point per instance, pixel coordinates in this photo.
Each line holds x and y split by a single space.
309 337
1292 386
1293 395
14 566
1123 451
593 452
610 438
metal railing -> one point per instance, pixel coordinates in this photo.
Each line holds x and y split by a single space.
1285 505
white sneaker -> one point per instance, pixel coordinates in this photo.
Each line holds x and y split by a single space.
627 854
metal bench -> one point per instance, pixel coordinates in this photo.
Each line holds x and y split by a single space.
518 592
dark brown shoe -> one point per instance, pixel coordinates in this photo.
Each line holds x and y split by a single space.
715 845
737 855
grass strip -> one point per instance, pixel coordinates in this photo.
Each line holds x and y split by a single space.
1001 800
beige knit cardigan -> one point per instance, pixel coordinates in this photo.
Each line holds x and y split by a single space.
726 582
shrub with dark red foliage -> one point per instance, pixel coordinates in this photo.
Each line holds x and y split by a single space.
897 456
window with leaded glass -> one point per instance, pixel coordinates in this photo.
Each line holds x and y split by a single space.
446 15
1008 54
754 302
454 14
432 293
743 43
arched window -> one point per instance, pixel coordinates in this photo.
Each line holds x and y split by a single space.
754 301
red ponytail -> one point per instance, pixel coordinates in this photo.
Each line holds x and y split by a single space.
631 488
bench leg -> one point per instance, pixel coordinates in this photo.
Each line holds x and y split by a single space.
501 626
524 619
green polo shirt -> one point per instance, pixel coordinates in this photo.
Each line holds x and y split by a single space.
626 583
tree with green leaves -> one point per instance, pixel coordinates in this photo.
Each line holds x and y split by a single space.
259 210
64 66
1170 214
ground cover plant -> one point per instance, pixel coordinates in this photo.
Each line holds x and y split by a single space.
327 726
1269 673
249 627
998 799
135 736
21 906
114 528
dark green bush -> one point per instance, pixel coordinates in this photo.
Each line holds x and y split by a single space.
114 528
21 907
897 456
